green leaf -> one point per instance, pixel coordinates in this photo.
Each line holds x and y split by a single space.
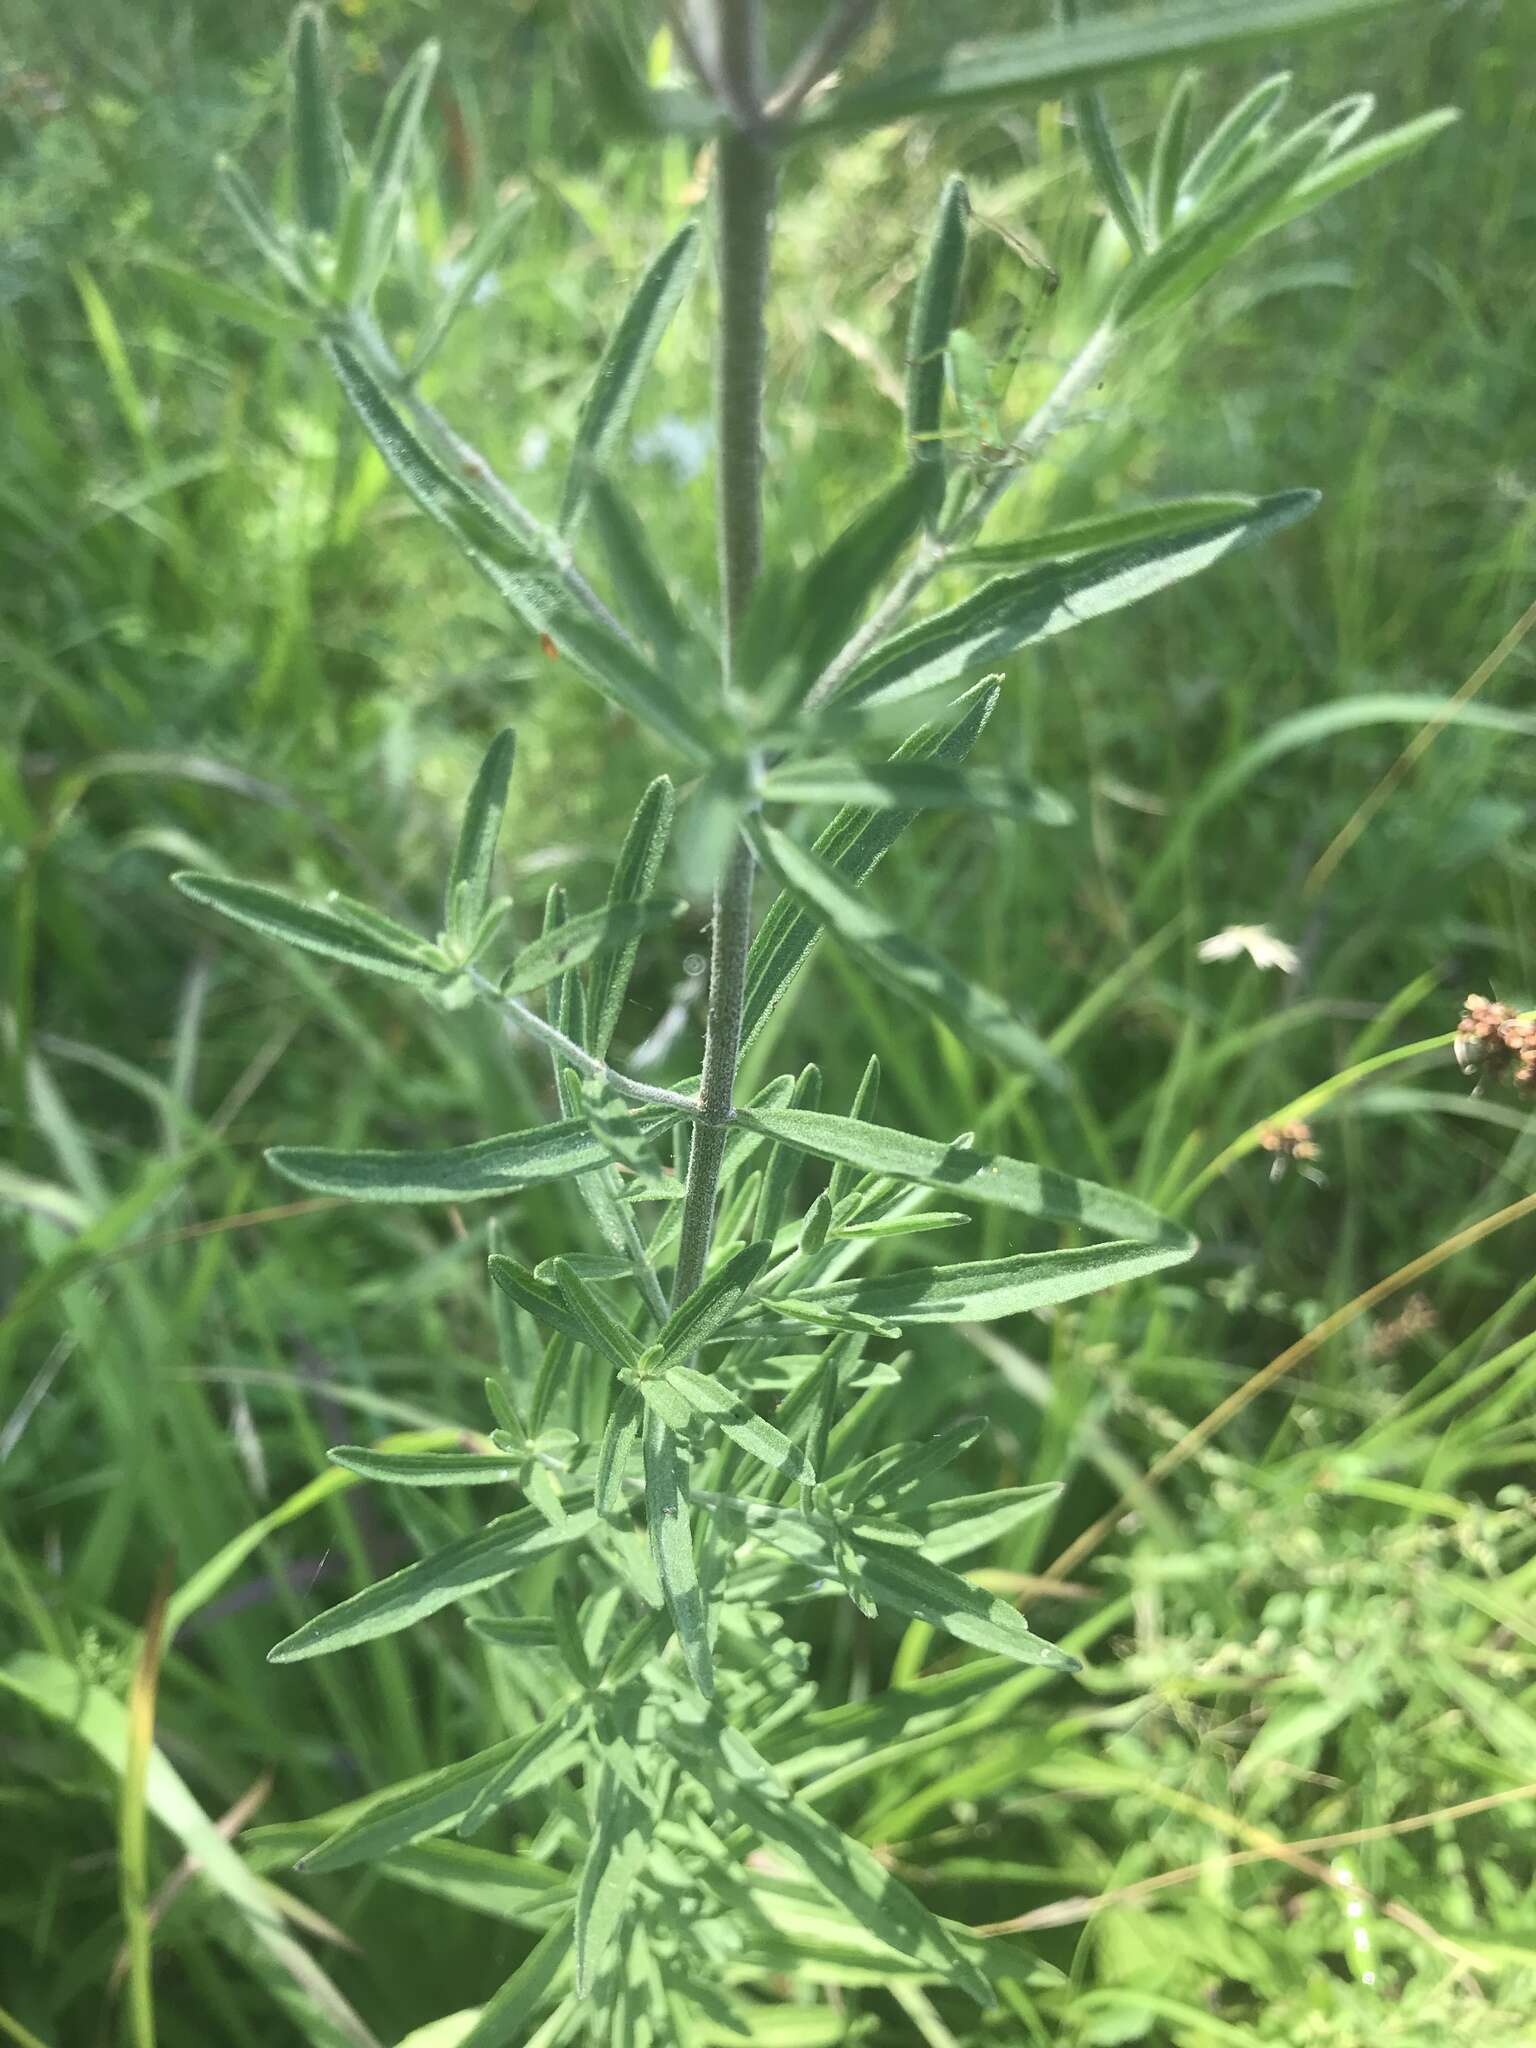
1013 612
880 944
711 1304
225 300
469 271
462 1173
337 936
981 1290
925 1591
389 164
506 2020
516 564
426 1468
1046 62
514 1631
605 410
741 1423
385 1821
490 1554
600 1329
1246 123
933 315
912 786
619 1131
319 151
1116 187
1168 155
634 876
615 1855
543 1756
973 1176
264 231
671 1542
953 1528
615 1451
1109 529
1217 232
540 1298
640 587
469 879
567 945
1338 173
823 610
738 1783
854 843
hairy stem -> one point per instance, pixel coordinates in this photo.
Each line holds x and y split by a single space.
744 197
1080 375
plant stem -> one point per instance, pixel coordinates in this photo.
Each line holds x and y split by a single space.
521 1018
744 198
731 932
1084 370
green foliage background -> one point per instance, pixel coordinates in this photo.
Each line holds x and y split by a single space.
228 643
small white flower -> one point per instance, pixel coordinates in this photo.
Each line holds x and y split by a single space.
1257 941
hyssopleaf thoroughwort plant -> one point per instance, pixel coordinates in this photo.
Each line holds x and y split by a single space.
686 1420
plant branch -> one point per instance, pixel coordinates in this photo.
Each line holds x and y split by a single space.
519 1017
1084 370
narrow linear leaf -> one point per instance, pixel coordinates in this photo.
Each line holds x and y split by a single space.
881 945
605 410
915 1586
1013 612
462 1173
974 1176
426 1468
952 1529
542 1757
1218 231
619 1131
1109 530
824 609
514 1631
1245 123
556 952
1049 61
933 315
469 878
277 915
469 272
854 843
319 152
671 1541
1339 172
513 2009
1168 154
739 1783
516 563
741 1423
503 1546
710 1305
1116 186
540 1298
981 1290
272 241
913 786
614 1858
615 1451
639 585
407 1812
600 1329
389 163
